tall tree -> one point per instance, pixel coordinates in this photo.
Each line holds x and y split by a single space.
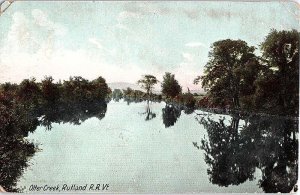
147 83
29 91
170 86
222 75
278 86
100 88
50 90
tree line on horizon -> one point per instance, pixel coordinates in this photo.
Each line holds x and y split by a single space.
234 77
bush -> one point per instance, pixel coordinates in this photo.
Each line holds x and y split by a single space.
186 99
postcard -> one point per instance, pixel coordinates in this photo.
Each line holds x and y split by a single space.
149 96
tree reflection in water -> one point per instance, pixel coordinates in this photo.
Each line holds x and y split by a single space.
233 152
72 113
15 154
15 150
170 115
149 114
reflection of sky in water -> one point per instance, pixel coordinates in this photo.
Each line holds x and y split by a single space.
129 153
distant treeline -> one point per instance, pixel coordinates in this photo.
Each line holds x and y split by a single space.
21 104
235 78
77 89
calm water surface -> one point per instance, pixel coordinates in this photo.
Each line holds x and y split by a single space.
140 149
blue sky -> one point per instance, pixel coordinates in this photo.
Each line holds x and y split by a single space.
123 40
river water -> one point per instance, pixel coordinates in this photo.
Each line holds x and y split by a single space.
159 148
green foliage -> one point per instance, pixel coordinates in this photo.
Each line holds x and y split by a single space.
32 95
231 67
170 86
99 88
234 77
186 99
117 94
278 86
15 155
130 93
9 88
50 90
147 83
80 89
127 91
29 92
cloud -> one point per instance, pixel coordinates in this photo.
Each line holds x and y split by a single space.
29 50
41 19
213 13
128 14
23 34
35 47
221 13
187 71
147 8
188 58
96 43
191 13
138 10
123 27
195 44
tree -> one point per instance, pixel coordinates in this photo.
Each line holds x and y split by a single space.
29 92
50 90
100 88
147 83
170 86
223 78
278 86
117 94
76 89
128 91
9 89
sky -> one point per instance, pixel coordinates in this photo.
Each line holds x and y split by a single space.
121 41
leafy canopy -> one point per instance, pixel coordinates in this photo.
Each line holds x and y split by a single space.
148 82
223 78
170 86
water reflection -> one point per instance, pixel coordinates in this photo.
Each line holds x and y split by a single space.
149 113
117 95
235 146
72 113
15 154
233 151
170 115
16 123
